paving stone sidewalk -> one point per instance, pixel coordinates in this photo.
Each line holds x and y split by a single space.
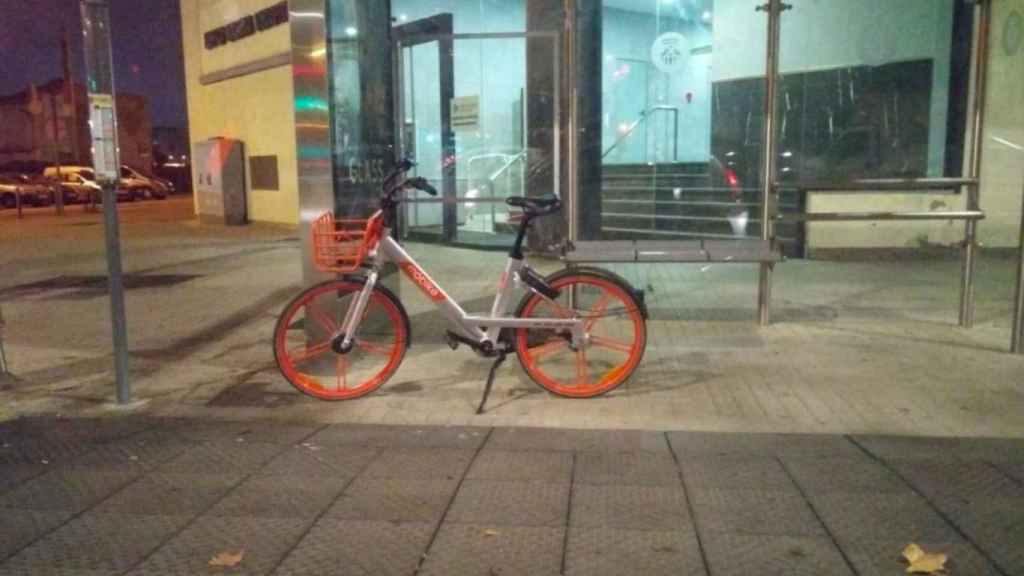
145 496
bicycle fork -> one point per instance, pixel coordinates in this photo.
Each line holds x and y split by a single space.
345 340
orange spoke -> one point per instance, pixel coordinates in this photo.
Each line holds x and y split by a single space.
342 369
548 349
610 343
375 349
595 313
309 353
324 320
581 367
559 310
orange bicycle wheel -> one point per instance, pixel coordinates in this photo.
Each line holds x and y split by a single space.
616 335
305 341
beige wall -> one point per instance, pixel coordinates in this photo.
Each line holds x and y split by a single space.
1002 174
256 109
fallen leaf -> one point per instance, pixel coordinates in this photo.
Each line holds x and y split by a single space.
227 559
491 532
921 562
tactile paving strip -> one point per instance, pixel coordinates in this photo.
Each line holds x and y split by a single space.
263 542
472 550
630 507
66 489
322 461
20 527
632 468
496 502
770 512
280 497
362 548
113 542
613 552
419 463
512 465
743 555
380 436
734 472
171 494
394 499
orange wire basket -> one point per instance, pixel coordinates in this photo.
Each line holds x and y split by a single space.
339 246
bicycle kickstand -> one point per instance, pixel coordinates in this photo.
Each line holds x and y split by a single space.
490 380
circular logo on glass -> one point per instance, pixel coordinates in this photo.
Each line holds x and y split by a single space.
1013 33
670 52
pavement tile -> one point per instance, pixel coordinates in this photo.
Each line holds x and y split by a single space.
488 550
379 436
614 551
20 527
931 448
702 470
540 439
66 489
688 444
510 503
419 463
13 474
195 430
1013 469
895 517
223 456
844 475
171 494
745 554
875 557
261 433
325 461
632 468
956 480
359 548
751 511
133 453
113 542
394 499
512 465
264 542
40 450
629 507
280 497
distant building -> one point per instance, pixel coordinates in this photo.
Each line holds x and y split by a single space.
170 144
30 134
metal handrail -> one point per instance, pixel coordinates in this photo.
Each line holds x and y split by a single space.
644 115
515 158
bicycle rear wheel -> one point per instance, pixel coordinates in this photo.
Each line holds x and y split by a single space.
616 335
304 341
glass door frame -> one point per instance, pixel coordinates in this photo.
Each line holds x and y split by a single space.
437 29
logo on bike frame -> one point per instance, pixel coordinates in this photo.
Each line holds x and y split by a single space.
421 280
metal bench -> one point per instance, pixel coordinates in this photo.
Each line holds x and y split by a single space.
752 251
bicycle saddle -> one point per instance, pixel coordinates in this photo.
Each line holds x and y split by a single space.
535 206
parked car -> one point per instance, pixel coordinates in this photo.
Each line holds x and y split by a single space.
32 193
144 186
82 179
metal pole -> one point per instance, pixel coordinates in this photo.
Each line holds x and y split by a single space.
970 251
774 9
103 123
1017 343
55 109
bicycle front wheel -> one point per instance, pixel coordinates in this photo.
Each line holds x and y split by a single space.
304 341
615 327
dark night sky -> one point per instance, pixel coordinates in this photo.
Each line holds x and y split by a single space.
147 49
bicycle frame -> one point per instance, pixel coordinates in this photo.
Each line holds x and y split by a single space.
481 329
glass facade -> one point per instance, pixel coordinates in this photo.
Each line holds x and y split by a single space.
647 116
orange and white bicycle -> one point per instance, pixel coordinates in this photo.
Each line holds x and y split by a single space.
580 332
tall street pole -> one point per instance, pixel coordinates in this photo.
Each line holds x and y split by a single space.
103 126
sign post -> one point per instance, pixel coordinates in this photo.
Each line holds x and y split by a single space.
103 127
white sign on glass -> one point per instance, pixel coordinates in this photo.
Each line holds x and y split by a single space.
670 52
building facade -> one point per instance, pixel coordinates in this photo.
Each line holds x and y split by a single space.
646 116
49 123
